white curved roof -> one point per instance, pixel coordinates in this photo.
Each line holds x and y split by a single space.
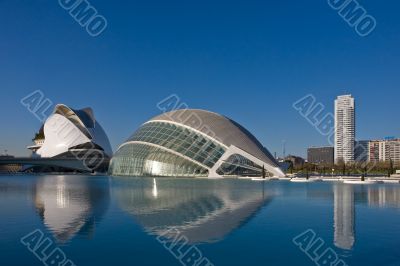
67 128
221 128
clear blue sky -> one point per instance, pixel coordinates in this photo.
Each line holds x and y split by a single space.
249 60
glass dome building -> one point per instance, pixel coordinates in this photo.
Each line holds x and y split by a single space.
193 143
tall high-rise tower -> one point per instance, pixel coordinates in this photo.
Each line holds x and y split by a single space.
345 128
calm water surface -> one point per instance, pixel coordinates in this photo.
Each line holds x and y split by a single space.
119 221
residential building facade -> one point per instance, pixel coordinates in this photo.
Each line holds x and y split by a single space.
375 151
344 128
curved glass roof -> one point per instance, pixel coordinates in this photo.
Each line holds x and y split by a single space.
221 128
187 142
137 159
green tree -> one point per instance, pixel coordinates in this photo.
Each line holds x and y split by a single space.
390 169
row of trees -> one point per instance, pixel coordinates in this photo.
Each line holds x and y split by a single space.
363 169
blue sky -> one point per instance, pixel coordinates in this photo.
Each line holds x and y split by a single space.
249 60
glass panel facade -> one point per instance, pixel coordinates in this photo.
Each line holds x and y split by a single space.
136 159
240 166
182 140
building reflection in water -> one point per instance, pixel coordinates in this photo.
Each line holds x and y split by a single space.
201 210
384 196
70 205
345 199
344 216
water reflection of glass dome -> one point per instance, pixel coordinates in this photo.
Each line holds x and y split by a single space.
193 143
70 205
206 211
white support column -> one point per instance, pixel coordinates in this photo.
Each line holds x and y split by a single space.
276 171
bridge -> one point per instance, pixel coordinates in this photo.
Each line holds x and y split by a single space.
87 165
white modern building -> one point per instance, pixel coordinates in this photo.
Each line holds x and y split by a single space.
193 143
390 150
344 129
38 142
67 131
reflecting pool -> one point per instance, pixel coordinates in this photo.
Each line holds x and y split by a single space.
95 220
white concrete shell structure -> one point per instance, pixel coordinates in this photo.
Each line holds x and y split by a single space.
193 143
69 130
